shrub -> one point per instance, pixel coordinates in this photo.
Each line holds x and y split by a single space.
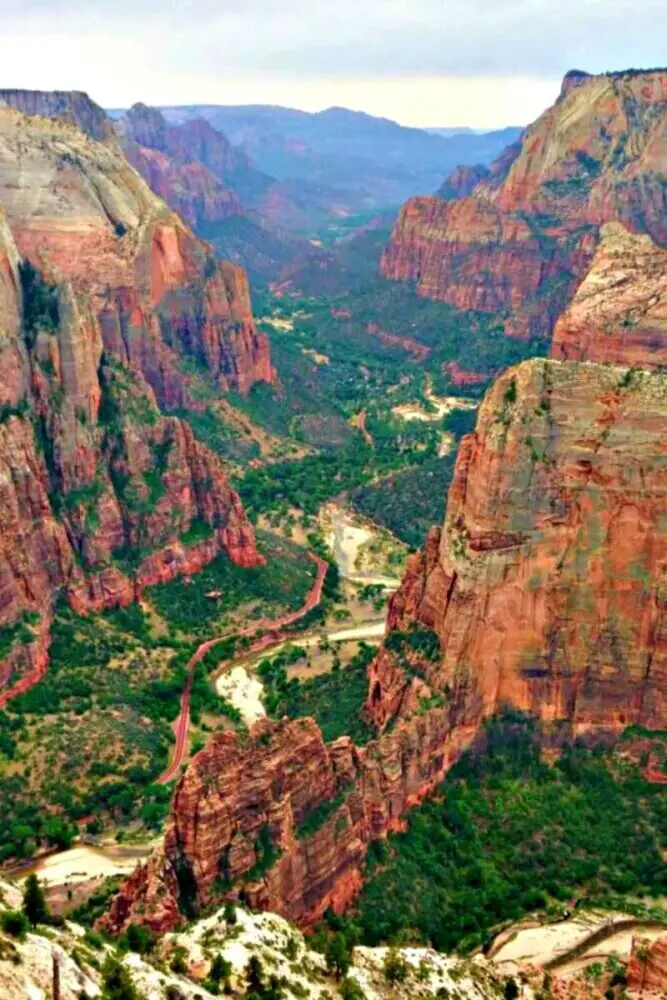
14 923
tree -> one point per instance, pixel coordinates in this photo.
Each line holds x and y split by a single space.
254 976
511 990
337 955
116 981
220 970
34 902
395 967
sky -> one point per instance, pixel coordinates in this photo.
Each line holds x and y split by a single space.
481 63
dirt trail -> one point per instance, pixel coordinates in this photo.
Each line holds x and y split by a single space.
270 627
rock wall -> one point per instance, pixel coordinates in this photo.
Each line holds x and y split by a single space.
647 969
240 814
104 293
517 241
619 312
546 586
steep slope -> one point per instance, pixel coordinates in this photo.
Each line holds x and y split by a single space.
71 106
217 190
103 295
521 241
619 312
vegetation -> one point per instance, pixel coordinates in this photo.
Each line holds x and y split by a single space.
281 584
40 303
34 901
508 834
335 700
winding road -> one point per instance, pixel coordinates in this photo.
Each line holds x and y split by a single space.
269 627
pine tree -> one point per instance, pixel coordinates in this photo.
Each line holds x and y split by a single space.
34 903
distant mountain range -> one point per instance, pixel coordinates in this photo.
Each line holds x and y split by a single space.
377 160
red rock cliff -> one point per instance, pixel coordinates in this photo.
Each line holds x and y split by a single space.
97 487
619 312
237 818
545 587
520 243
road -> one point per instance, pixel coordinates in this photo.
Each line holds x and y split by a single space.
269 627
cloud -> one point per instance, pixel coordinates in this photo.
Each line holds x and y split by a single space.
205 47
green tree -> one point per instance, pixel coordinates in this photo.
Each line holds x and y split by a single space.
116 981
511 991
34 902
337 955
395 967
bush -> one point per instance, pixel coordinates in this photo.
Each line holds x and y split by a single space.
15 923
395 967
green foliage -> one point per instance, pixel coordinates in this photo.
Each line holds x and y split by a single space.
18 633
34 901
506 833
282 583
266 853
117 981
15 923
395 968
20 409
218 435
138 938
40 303
334 700
337 955
318 816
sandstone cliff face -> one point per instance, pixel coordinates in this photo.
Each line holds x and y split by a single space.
521 241
619 312
71 106
238 814
97 487
647 969
80 213
184 164
546 589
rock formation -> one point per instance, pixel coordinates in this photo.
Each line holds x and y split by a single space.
647 969
71 106
619 312
517 242
285 818
545 588
104 294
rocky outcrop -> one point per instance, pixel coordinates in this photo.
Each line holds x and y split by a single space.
519 241
285 818
184 164
103 295
647 968
545 588
462 181
80 213
71 106
619 312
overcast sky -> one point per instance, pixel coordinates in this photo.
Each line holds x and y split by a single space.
484 63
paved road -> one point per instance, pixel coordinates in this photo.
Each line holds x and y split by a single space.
270 626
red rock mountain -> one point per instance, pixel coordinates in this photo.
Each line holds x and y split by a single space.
107 300
520 239
544 591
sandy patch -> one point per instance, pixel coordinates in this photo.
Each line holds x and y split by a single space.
544 944
319 359
364 632
346 537
279 323
244 692
80 864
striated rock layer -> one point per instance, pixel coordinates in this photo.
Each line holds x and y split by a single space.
545 588
285 818
619 312
517 240
103 293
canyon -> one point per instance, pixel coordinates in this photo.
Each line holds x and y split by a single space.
542 594
517 239
112 314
